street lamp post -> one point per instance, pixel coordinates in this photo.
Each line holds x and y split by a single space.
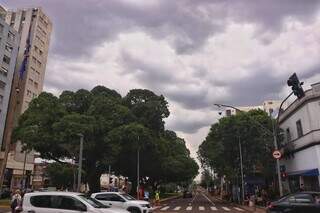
241 167
273 133
80 162
138 169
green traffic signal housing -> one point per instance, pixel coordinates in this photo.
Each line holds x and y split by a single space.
296 85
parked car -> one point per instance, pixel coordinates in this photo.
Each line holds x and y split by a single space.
187 194
301 202
123 201
71 202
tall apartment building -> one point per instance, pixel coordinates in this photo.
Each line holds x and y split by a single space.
9 41
35 29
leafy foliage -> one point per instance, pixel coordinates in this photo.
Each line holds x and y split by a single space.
220 149
114 129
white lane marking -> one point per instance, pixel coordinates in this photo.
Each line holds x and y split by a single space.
189 208
165 208
177 208
213 208
225 208
201 208
236 208
193 198
210 201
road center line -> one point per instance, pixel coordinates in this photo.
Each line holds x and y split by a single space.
213 208
210 201
236 208
193 198
201 208
189 208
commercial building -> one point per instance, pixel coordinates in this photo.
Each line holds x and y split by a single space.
9 41
301 125
35 29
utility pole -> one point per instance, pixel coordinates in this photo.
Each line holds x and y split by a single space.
80 162
241 167
138 171
278 160
23 181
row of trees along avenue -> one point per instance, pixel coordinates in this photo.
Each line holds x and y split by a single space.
114 128
220 149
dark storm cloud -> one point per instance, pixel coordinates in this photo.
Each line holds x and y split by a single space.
81 25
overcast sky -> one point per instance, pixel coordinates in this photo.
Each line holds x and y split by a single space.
194 52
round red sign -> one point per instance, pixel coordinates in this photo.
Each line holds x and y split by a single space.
276 154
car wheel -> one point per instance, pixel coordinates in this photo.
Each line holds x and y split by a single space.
134 210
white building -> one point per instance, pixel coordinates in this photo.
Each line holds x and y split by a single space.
269 106
301 124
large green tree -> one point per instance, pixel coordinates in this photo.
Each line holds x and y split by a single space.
220 149
114 129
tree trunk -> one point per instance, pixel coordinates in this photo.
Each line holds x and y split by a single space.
94 181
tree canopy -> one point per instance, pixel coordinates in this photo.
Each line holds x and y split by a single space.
114 129
220 149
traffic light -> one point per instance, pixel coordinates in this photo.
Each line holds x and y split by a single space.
295 85
284 176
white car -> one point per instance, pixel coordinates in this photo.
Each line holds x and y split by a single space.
63 202
123 201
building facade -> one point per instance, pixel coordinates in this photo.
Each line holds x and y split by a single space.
35 29
301 148
269 106
9 41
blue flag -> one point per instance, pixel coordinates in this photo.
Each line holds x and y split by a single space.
25 56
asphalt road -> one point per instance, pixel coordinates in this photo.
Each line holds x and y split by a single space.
199 203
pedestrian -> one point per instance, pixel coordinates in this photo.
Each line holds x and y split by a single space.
16 201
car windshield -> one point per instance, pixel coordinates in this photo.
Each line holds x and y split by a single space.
127 197
92 202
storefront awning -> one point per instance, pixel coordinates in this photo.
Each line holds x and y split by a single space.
308 172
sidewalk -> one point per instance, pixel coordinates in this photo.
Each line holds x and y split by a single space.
257 210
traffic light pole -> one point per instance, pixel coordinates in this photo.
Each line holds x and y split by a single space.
278 160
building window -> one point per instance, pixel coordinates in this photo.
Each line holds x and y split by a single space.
4 71
1 28
288 134
36 85
28 93
299 128
6 59
11 36
2 85
38 63
34 60
30 81
9 48
1 99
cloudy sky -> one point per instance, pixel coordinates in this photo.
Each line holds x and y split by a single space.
194 52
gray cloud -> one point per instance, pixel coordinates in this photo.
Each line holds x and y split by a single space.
81 25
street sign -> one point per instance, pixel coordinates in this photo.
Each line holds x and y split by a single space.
276 154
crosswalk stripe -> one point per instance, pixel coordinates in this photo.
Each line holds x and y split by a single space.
225 208
177 208
236 208
201 208
213 208
189 208
165 208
